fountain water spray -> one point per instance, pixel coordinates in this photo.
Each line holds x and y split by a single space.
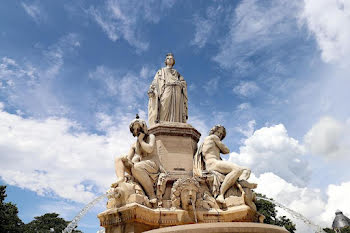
82 213
295 214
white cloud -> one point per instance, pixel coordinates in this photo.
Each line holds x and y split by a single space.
243 106
248 130
246 89
129 87
329 21
270 149
211 86
29 86
329 138
56 157
338 199
252 28
34 11
199 124
204 26
305 201
122 19
308 201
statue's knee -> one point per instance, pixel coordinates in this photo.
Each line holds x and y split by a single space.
118 159
138 167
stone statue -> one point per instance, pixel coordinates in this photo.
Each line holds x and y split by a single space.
193 186
140 162
124 193
184 193
167 95
208 158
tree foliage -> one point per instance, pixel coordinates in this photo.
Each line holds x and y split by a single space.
49 222
11 223
268 209
343 230
9 220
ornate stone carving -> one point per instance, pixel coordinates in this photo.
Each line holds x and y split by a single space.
221 175
184 193
140 163
165 180
126 192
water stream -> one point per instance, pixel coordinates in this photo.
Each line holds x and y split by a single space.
194 211
72 225
82 213
296 215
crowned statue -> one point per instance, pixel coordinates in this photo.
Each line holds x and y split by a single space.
167 95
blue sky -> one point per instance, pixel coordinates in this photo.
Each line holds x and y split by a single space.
74 74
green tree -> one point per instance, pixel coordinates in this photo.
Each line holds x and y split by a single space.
9 220
49 222
268 209
343 230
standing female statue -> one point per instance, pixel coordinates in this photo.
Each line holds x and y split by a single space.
167 95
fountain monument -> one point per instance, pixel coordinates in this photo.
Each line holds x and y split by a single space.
166 183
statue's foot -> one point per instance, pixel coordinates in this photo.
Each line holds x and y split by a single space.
119 180
244 196
220 199
261 218
153 201
247 184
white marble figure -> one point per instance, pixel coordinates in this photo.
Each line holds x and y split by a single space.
208 158
167 95
140 162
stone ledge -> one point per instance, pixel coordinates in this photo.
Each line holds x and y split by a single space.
222 227
175 129
161 217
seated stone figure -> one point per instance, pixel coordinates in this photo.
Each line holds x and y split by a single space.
226 174
139 162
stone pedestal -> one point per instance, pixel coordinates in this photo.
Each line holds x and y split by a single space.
176 144
222 227
136 218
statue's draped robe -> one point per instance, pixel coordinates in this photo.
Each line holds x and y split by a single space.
169 102
199 170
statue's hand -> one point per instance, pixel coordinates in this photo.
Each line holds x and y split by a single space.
140 137
125 159
150 93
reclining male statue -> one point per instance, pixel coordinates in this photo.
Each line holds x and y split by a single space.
208 159
140 163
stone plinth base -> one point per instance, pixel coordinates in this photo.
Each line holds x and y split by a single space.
138 218
176 145
222 227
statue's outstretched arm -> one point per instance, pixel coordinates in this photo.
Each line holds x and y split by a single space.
148 147
131 152
223 148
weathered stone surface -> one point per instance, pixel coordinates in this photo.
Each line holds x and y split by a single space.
167 95
155 218
227 227
165 180
176 143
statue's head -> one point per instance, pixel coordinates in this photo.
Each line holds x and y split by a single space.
184 193
138 126
169 60
218 130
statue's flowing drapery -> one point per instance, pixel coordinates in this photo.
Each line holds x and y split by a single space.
169 102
